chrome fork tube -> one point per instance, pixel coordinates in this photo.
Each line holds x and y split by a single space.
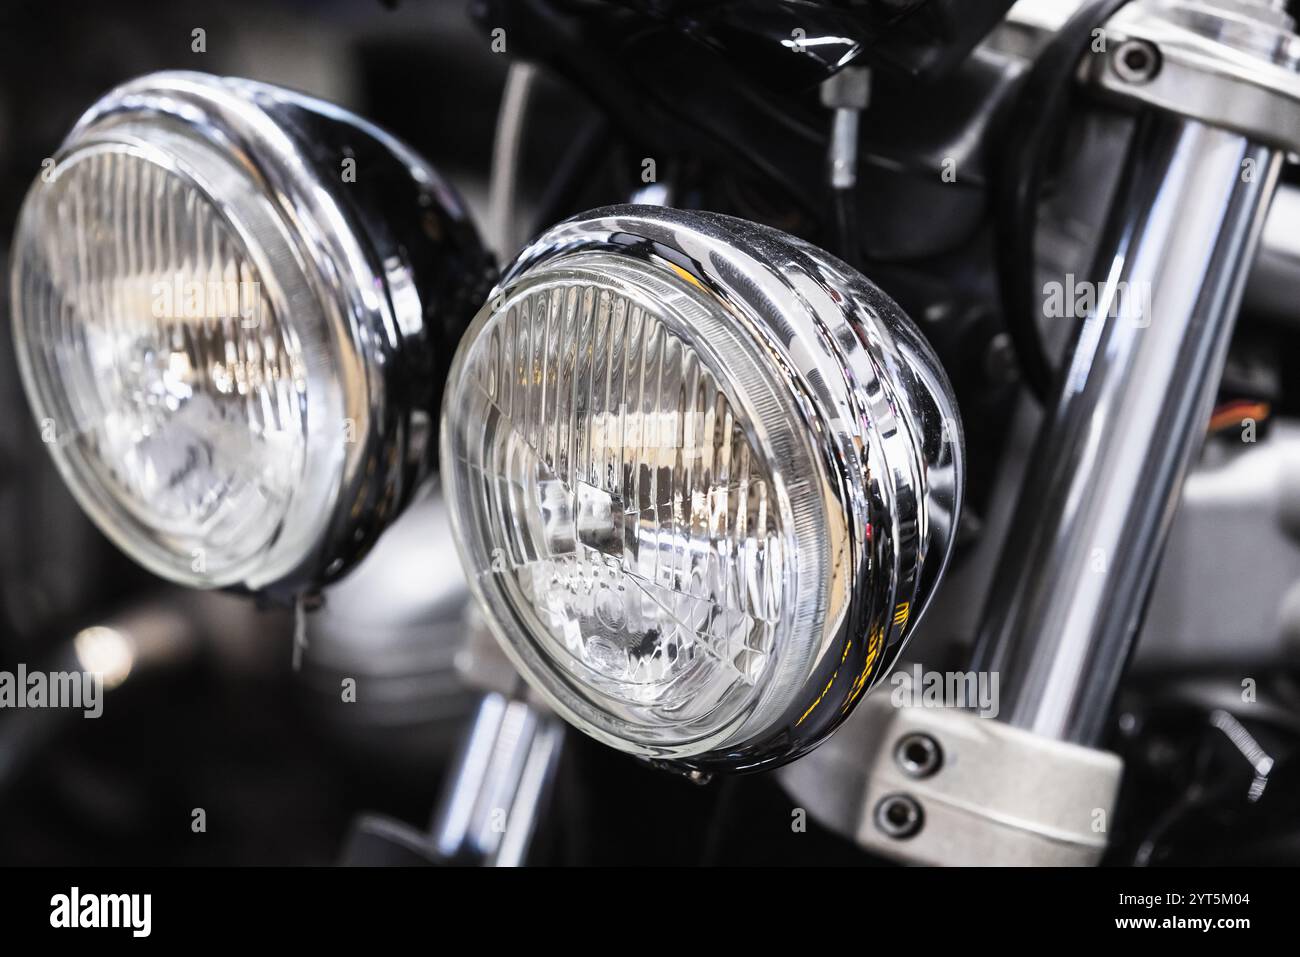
500 786
1108 469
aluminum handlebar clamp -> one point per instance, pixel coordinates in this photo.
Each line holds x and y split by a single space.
1230 64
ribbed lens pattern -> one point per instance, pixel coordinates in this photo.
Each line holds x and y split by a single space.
162 367
630 515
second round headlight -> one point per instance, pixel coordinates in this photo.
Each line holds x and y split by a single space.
233 340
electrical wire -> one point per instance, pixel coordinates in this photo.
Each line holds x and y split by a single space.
1232 415
1034 123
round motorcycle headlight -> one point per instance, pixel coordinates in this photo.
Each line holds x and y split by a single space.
231 344
704 478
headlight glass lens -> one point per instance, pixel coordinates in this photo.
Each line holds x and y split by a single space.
621 507
167 382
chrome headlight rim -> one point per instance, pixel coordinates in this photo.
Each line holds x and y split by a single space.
649 290
369 252
866 388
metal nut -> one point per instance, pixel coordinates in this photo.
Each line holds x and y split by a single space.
919 755
1136 61
899 816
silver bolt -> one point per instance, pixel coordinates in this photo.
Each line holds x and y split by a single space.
1136 61
899 816
919 755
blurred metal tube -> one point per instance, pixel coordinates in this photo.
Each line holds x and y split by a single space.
489 812
1110 460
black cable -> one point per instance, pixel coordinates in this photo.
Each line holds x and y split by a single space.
844 205
1034 123
581 162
